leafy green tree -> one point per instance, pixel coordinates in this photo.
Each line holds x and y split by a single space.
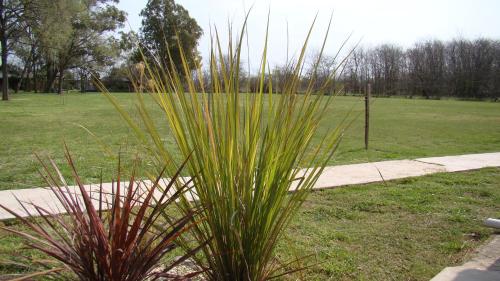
164 25
118 77
75 34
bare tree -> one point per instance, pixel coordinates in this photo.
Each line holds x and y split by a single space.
281 74
320 71
11 24
426 69
460 68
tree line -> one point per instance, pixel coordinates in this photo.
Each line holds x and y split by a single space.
468 69
432 69
56 45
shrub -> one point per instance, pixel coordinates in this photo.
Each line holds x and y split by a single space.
103 236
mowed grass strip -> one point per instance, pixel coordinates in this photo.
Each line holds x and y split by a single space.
404 230
400 128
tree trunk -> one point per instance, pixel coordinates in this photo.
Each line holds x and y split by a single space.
3 39
59 82
35 79
26 68
83 79
48 78
51 77
23 74
5 74
82 85
28 86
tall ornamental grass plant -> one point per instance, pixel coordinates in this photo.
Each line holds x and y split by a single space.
248 150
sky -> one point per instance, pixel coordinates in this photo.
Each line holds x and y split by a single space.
369 22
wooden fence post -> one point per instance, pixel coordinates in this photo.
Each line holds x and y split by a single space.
367 113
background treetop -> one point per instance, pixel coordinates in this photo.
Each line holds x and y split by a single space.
162 22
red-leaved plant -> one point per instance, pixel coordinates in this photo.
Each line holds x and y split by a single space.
108 236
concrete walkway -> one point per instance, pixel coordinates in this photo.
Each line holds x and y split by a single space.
333 176
484 266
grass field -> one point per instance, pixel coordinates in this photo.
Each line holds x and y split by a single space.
405 230
402 230
400 128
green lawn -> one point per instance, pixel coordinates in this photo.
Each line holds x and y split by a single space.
400 128
405 230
